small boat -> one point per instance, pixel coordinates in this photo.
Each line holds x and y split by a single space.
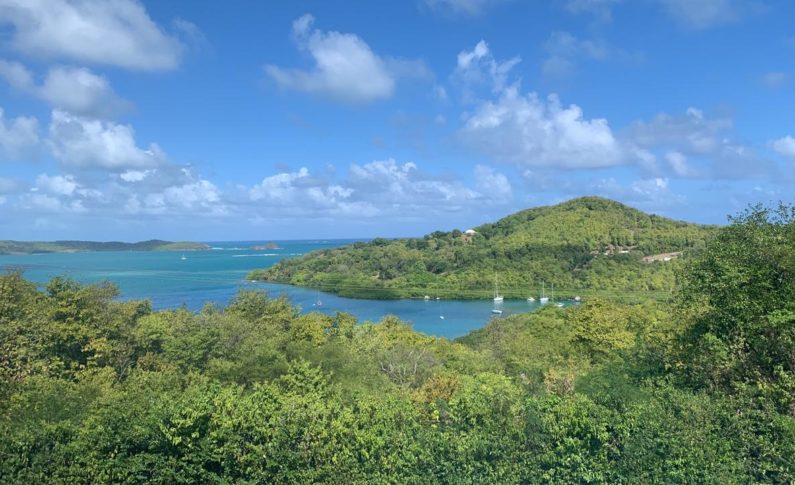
531 299
496 312
559 305
441 316
319 303
577 298
544 299
497 297
183 257
438 298
427 298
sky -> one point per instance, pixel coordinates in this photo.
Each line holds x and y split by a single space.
182 120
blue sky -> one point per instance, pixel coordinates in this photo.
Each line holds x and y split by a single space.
132 120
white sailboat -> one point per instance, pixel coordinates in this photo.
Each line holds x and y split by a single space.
183 257
497 297
544 299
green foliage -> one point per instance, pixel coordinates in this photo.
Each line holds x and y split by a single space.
739 303
94 390
564 245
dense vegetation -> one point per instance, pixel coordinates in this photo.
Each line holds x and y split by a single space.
562 245
29 247
697 390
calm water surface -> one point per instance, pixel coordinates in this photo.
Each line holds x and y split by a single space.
216 275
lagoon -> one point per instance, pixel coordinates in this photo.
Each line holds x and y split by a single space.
216 275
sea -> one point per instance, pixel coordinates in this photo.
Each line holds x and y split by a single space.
194 278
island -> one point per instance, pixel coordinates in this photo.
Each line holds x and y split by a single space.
588 245
265 247
35 247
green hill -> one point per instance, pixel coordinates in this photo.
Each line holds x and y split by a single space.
584 245
29 247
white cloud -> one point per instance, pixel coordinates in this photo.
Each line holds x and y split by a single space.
784 146
678 163
468 7
531 132
116 32
18 136
494 184
57 184
51 204
90 143
77 90
701 139
478 67
647 192
80 91
135 175
346 68
16 74
383 188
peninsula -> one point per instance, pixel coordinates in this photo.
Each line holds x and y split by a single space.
585 244
32 247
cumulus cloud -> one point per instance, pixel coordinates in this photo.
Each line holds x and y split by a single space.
493 183
90 143
383 188
646 192
16 75
701 139
18 136
479 67
346 68
784 146
533 132
135 175
117 32
77 90
678 163
57 184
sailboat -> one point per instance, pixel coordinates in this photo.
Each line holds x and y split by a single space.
497 297
183 257
544 299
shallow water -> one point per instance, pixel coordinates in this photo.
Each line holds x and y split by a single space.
216 275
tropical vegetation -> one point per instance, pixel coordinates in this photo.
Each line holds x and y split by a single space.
697 389
586 246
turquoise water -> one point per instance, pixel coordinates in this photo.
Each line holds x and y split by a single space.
216 275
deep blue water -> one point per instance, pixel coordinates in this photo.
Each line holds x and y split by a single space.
216 275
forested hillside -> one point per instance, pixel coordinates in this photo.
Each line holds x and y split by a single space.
699 389
584 244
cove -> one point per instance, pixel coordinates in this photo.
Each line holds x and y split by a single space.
194 278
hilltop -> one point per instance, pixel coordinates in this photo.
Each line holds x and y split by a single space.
30 247
589 243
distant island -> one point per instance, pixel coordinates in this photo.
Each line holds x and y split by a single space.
589 244
266 246
34 247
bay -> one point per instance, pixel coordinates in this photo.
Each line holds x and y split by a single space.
216 275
